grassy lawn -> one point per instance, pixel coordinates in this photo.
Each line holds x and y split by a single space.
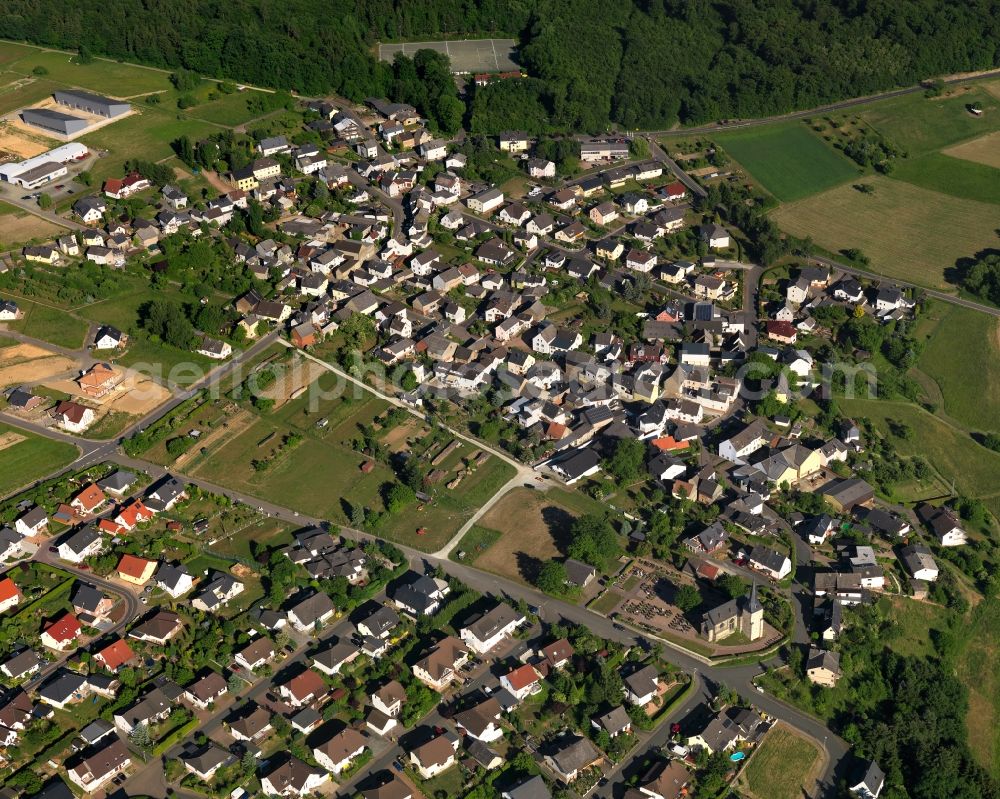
788 160
953 453
606 602
107 77
16 91
908 232
145 135
955 176
977 668
30 459
230 109
914 622
781 765
50 324
267 532
969 385
920 124
312 478
321 476
178 366
474 543
13 51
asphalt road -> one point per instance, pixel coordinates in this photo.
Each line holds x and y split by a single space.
133 609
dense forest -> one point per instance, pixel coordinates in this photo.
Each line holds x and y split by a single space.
637 63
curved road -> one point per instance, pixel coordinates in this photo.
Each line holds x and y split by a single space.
133 608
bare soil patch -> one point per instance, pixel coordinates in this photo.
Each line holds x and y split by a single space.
35 371
139 395
21 143
9 439
395 439
294 377
19 353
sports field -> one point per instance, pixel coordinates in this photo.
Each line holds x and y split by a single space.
908 232
788 160
467 55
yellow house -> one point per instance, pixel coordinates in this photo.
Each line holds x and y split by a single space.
245 179
811 464
135 570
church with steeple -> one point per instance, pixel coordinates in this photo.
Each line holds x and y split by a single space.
744 614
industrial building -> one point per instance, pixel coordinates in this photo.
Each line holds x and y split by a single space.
63 154
40 175
56 121
92 103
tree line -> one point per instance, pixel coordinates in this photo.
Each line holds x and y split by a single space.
634 63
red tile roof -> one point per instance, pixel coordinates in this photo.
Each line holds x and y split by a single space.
116 655
522 677
90 497
64 629
132 566
8 590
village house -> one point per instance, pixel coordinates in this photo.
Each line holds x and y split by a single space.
434 757
441 666
489 630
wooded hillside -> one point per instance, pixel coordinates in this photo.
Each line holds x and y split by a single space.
638 63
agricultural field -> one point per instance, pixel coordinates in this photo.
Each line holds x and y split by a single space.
982 150
922 125
908 232
950 451
26 457
968 386
787 160
957 177
782 766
